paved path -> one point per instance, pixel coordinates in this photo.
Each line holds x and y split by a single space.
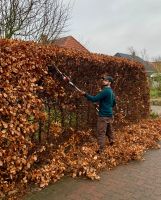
156 109
139 180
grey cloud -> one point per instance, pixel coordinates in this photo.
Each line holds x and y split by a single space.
111 26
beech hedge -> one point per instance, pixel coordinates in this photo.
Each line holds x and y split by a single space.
37 107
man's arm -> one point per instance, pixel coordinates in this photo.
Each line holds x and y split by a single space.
96 98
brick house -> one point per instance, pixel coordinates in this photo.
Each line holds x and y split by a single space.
70 43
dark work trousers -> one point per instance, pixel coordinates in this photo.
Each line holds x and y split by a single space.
104 128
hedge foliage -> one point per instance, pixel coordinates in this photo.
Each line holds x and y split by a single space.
38 110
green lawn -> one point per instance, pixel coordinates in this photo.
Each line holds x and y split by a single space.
155 93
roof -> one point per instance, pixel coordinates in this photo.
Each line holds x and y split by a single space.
148 66
70 42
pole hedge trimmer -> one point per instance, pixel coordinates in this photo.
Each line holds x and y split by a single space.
52 69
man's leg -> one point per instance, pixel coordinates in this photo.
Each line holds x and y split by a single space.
101 132
109 131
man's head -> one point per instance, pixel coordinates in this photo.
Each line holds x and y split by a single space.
106 80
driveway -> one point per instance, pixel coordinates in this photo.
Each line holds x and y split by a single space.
138 180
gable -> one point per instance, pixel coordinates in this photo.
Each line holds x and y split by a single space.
71 43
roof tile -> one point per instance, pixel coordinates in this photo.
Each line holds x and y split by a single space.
70 42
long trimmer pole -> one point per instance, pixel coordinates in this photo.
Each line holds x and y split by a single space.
64 77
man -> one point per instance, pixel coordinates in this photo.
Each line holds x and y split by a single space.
106 99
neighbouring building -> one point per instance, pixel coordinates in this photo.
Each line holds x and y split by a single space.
157 66
70 43
149 68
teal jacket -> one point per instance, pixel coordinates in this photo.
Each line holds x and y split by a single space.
106 99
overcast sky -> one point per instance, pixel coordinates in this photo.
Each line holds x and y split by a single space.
111 26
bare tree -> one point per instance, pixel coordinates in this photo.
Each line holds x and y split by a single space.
132 51
144 54
33 19
157 59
